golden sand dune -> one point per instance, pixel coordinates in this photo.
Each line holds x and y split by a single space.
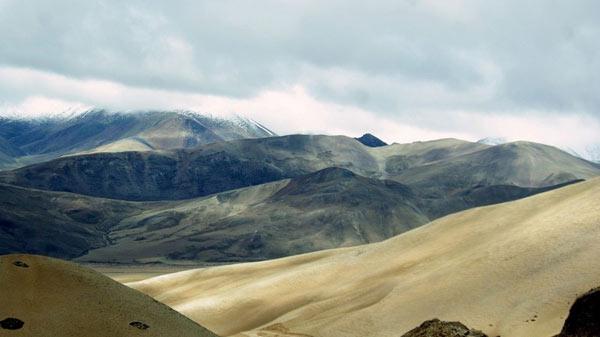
512 269
40 296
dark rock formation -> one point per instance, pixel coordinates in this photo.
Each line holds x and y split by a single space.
437 328
370 140
584 316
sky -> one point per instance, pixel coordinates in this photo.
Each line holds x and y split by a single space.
402 70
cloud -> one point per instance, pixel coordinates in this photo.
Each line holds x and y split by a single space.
404 69
543 53
294 109
41 106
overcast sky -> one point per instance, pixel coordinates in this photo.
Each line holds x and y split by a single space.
403 70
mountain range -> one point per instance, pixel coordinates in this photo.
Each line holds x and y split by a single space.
208 190
339 236
441 166
329 208
26 141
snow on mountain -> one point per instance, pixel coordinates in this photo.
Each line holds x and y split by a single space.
493 140
41 138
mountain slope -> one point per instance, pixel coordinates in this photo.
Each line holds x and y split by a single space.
186 174
396 158
511 269
101 131
438 168
47 297
520 163
330 208
57 224
326 209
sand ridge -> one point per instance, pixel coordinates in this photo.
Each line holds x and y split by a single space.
511 269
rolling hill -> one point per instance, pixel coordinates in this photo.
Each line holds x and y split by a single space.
47 297
519 163
185 174
512 269
57 224
38 140
330 208
436 168
326 209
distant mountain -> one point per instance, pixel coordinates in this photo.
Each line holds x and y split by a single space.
37 140
435 168
185 174
522 164
8 152
222 166
593 153
326 209
57 224
370 140
330 208
492 140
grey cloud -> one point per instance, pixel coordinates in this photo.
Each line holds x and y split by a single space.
541 55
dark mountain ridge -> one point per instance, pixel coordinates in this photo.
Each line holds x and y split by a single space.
330 208
436 169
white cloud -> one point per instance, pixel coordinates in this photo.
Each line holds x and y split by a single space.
41 106
293 109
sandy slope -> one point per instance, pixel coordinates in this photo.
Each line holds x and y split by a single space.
511 269
60 299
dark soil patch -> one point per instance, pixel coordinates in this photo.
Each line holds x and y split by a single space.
11 323
21 264
139 325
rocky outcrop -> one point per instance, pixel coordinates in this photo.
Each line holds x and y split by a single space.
584 316
437 328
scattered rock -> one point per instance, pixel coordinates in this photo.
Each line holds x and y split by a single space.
11 323
437 328
21 264
139 325
584 316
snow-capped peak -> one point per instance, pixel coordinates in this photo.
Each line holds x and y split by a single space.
493 140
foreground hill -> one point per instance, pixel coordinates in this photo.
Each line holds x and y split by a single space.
438 168
37 140
511 269
326 209
47 297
